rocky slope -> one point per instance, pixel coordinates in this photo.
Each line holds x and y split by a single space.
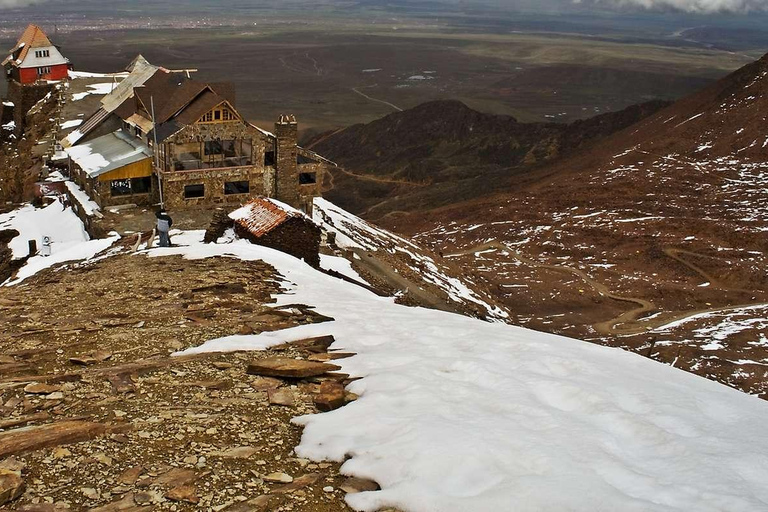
442 152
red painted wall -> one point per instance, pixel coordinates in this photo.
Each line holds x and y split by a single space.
29 75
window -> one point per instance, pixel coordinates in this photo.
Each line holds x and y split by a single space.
193 191
213 147
137 131
120 188
228 148
236 187
307 178
42 53
141 185
226 115
217 115
269 158
208 117
45 70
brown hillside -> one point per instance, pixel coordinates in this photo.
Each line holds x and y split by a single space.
442 152
661 221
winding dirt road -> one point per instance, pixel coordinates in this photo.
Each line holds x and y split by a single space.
630 322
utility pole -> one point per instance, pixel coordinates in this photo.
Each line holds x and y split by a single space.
155 151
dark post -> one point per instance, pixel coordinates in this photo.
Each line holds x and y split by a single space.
32 247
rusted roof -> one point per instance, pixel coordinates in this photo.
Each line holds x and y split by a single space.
261 215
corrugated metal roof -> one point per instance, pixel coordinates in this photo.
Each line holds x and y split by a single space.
261 215
92 122
141 71
108 153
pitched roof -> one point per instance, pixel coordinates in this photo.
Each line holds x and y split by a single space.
261 215
107 153
33 37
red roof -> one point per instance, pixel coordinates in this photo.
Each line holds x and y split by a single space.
33 37
261 215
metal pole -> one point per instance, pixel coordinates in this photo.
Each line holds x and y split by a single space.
155 150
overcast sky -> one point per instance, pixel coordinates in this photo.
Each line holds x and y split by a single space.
693 6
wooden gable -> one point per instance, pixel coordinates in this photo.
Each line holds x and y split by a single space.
222 113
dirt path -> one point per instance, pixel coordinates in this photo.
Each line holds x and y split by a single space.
629 322
376 100
381 269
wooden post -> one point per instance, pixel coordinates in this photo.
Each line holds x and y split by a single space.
32 247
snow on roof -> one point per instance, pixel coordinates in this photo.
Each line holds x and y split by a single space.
108 153
98 89
456 414
261 215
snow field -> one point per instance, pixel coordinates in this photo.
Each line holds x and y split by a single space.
457 414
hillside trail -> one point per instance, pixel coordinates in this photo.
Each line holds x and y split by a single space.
377 179
355 89
628 323
381 269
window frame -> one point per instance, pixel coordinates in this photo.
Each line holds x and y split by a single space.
187 196
228 192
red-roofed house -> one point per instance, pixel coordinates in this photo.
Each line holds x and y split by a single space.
35 58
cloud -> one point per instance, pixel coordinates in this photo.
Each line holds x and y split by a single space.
692 6
7 4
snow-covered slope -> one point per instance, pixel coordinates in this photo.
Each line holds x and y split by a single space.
354 233
457 414
69 241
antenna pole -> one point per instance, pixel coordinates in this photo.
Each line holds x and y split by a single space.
155 150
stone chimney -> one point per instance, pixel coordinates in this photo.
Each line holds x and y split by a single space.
287 168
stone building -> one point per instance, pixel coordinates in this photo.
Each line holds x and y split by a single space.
202 151
276 225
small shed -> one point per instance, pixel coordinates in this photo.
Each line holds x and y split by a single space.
276 225
113 169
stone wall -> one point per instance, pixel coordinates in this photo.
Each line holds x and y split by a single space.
24 98
287 132
213 180
298 236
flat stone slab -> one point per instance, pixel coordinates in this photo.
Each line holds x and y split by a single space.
289 368
26 439
281 396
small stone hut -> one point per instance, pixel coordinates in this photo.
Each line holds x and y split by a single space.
276 225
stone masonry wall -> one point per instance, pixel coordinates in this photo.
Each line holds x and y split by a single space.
287 132
24 98
297 236
213 181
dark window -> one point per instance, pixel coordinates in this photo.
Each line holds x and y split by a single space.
213 147
45 70
192 191
120 187
307 178
137 131
228 148
301 159
141 185
237 187
217 115
269 158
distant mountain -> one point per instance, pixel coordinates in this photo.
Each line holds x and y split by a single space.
653 240
443 152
